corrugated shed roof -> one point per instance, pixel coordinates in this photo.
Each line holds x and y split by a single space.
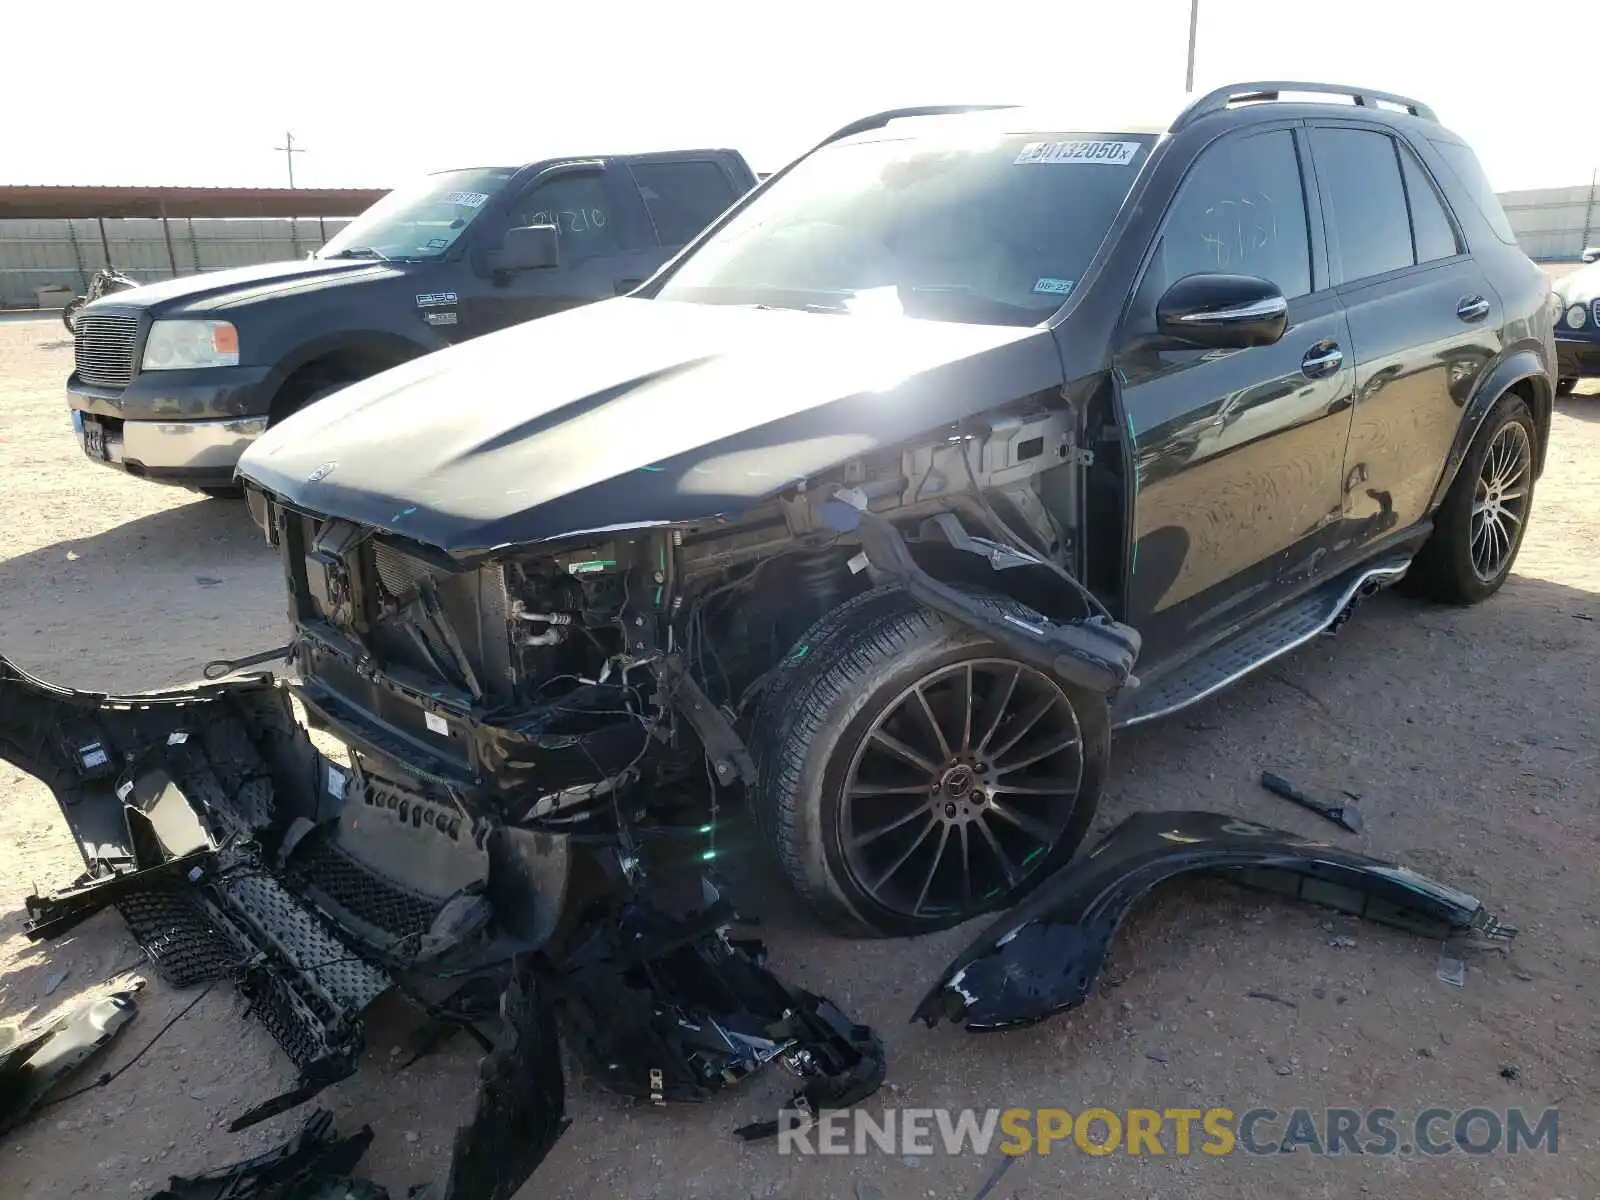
37 202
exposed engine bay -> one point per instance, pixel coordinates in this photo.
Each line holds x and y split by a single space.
543 685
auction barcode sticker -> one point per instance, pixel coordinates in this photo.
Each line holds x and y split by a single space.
1118 154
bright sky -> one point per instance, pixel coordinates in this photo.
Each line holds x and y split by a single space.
181 92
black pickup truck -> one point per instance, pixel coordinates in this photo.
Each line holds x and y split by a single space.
172 381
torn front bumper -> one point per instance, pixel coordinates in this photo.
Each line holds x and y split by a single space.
180 803
1043 956
234 849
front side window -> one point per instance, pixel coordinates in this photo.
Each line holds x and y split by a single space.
1365 200
579 206
422 220
954 225
1241 210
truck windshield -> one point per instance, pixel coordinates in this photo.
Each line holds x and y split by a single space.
996 231
421 220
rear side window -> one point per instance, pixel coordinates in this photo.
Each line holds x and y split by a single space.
683 197
1464 163
1367 218
1241 211
1435 236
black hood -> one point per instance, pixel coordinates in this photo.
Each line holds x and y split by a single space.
632 412
219 291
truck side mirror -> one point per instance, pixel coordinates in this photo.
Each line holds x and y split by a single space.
529 248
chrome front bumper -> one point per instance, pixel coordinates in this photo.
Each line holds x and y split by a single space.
176 450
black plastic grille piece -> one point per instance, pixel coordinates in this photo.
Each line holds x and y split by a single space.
296 933
321 867
297 1030
183 946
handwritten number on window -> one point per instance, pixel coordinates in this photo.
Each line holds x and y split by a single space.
569 220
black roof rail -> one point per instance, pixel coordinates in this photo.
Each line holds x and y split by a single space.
1245 93
879 120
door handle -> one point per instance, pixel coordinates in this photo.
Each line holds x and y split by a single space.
1322 360
1473 308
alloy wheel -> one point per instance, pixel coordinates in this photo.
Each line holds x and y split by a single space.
960 788
1500 500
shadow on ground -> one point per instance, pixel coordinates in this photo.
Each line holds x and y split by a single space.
1581 407
201 567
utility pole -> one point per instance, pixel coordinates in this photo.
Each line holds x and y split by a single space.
290 149
1194 25
1588 213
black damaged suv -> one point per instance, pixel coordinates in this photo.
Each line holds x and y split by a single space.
961 441
876 496
965 439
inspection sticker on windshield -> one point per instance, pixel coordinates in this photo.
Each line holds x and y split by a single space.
1054 287
465 199
1117 154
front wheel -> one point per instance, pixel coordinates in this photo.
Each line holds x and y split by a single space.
912 774
1478 529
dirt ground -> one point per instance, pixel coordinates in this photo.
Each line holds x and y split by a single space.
1470 735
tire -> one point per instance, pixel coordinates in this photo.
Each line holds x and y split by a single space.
813 737
69 314
1450 567
1564 387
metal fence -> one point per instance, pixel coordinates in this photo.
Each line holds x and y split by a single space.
1554 224
64 254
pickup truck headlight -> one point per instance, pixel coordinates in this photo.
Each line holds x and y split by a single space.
177 345
1577 315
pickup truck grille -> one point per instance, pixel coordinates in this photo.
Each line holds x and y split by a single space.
104 346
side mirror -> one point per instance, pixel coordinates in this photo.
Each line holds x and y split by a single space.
529 248
1223 312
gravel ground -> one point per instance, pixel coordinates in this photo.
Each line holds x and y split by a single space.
1470 735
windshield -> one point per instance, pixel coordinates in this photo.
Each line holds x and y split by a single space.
996 232
419 221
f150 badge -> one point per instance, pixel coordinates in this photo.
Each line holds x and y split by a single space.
435 299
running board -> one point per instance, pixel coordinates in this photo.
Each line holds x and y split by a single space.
1254 646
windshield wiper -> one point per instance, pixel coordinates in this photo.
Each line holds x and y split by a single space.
360 252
